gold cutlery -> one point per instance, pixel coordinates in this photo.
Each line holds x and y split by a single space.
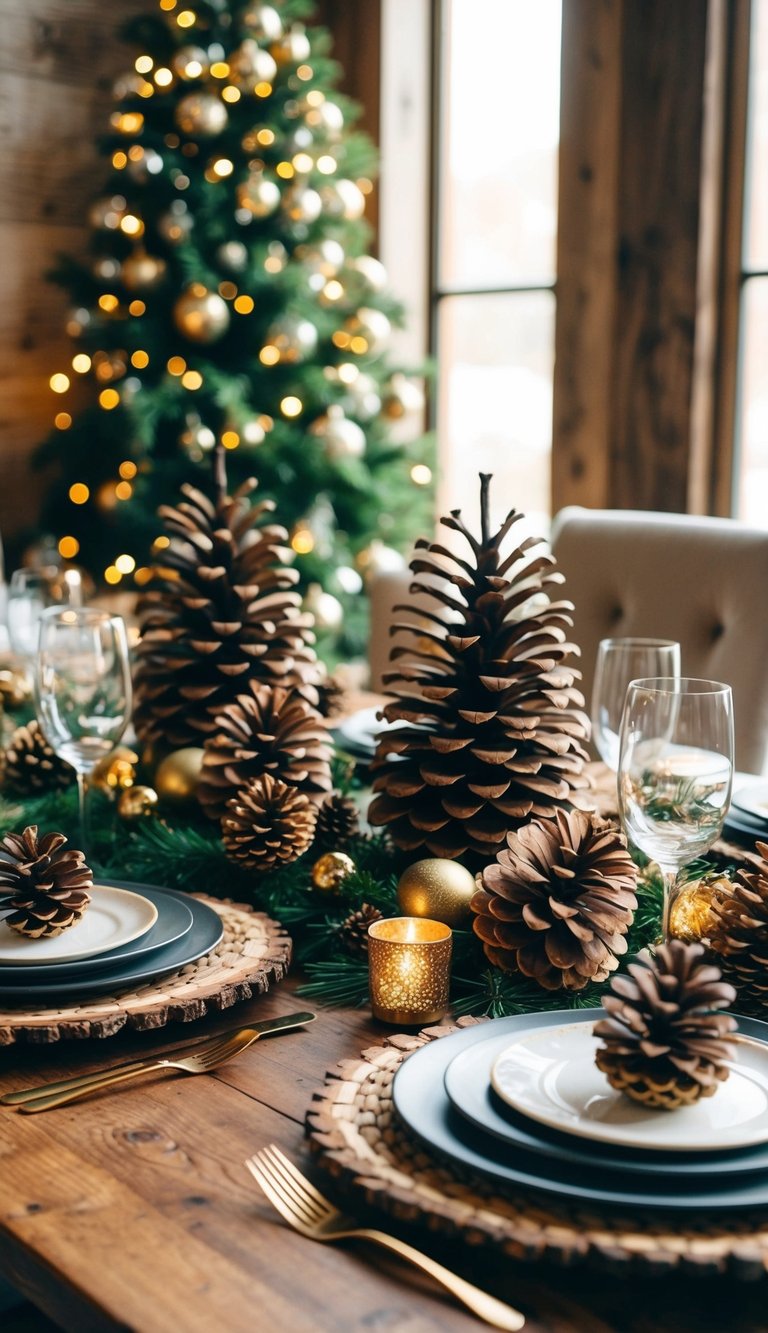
199 1059
309 1212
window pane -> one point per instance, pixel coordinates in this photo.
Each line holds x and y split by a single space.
499 137
757 176
753 441
495 404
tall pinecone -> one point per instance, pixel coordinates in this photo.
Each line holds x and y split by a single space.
29 765
219 613
558 902
338 820
666 1044
266 730
493 735
738 931
268 824
48 887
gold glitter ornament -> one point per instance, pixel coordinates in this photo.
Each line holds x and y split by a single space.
201 115
438 889
201 315
116 771
136 803
330 870
178 777
689 914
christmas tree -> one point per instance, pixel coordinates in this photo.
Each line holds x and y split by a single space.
228 299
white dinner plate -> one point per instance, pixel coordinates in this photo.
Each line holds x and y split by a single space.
550 1075
113 917
752 800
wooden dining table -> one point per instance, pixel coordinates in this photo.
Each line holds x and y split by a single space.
133 1209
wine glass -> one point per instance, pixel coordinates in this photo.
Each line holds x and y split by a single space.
675 771
29 593
618 662
82 689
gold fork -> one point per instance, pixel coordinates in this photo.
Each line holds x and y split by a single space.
201 1060
308 1211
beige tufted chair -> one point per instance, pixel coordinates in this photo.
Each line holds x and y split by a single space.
698 580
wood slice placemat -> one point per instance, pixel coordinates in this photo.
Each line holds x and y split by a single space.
381 1166
254 952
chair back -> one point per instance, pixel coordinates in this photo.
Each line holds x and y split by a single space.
676 576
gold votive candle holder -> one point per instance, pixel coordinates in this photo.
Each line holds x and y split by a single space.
409 960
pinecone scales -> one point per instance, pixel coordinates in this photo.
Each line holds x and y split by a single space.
266 730
268 824
666 1037
29 764
338 821
492 733
558 901
47 887
738 931
220 612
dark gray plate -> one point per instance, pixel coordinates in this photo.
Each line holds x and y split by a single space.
204 934
174 920
468 1085
423 1105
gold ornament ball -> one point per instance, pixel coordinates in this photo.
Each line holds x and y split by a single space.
178 777
201 315
141 271
437 889
329 872
689 912
326 609
201 114
116 771
137 803
258 195
15 687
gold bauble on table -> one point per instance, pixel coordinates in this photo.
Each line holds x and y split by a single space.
178 777
15 687
116 771
689 913
438 889
330 870
137 803
201 315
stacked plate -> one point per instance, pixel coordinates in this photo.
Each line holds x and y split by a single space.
521 1101
748 815
129 934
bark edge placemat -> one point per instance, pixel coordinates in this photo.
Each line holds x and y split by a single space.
379 1165
254 952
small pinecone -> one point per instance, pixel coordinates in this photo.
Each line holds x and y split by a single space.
266 730
338 821
354 929
29 764
267 824
47 886
557 903
738 931
665 1043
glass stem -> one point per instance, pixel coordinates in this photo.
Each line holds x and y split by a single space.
82 800
669 878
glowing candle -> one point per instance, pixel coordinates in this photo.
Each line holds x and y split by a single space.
409 962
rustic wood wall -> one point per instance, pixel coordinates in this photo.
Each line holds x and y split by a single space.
58 60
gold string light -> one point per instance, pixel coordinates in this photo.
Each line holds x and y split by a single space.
59 382
79 493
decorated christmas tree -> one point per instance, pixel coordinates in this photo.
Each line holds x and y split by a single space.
228 298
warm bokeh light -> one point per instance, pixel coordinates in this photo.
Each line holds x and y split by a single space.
163 77
131 225
79 493
119 160
230 439
421 475
137 308
125 563
59 382
128 469
160 543
81 363
68 548
269 355
143 64
123 490
285 169
109 398
139 360
112 574
187 18
108 302
303 541
244 305
230 93
228 290
176 365
219 69
291 406
62 421
192 379
263 89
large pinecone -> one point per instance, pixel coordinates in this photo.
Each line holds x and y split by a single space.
665 1041
220 612
493 733
266 730
738 931
268 824
48 887
29 765
558 901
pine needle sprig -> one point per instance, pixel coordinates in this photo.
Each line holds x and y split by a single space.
337 981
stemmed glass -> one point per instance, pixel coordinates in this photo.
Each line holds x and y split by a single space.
618 662
675 771
82 689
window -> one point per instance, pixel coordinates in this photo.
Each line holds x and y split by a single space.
494 238
752 403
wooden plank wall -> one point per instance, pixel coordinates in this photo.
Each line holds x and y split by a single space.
58 60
